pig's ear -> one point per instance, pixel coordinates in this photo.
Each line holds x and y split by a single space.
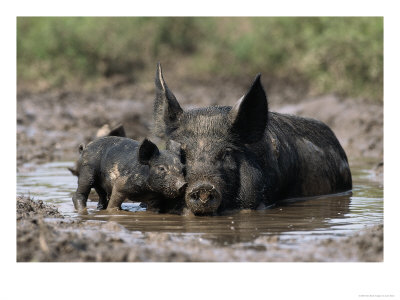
106 131
118 130
81 148
147 151
249 115
166 108
174 147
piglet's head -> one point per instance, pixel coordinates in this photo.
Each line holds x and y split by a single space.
166 171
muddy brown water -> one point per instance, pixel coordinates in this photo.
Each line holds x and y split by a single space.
294 221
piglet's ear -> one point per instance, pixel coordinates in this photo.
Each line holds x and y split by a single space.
249 115
147 151
174 147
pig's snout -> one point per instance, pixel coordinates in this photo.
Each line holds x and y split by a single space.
203 198
203 193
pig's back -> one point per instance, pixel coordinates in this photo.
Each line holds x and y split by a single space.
308 156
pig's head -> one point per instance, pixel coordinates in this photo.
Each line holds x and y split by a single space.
213 142
166 171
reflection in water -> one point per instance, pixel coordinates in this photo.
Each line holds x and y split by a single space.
311 216
294 220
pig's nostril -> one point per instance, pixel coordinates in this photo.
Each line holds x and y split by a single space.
194 195
203 194
206 196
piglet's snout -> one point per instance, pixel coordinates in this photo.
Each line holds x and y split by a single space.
180 186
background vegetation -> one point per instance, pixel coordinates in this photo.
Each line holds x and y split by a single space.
325 55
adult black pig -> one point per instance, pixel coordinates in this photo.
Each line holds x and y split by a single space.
244 156
120 168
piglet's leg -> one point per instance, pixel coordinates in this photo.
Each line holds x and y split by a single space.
116 199
85 183
102 198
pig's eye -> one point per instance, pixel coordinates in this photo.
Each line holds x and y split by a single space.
227 153
161 168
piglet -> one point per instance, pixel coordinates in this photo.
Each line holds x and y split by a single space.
120 168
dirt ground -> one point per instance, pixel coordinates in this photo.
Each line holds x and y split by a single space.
51 125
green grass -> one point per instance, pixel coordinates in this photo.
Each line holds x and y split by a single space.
341 55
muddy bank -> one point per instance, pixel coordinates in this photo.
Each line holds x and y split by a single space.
51 125
44 235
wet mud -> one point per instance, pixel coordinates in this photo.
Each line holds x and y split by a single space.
42 237
52 124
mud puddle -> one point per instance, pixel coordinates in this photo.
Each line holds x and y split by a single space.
294 222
